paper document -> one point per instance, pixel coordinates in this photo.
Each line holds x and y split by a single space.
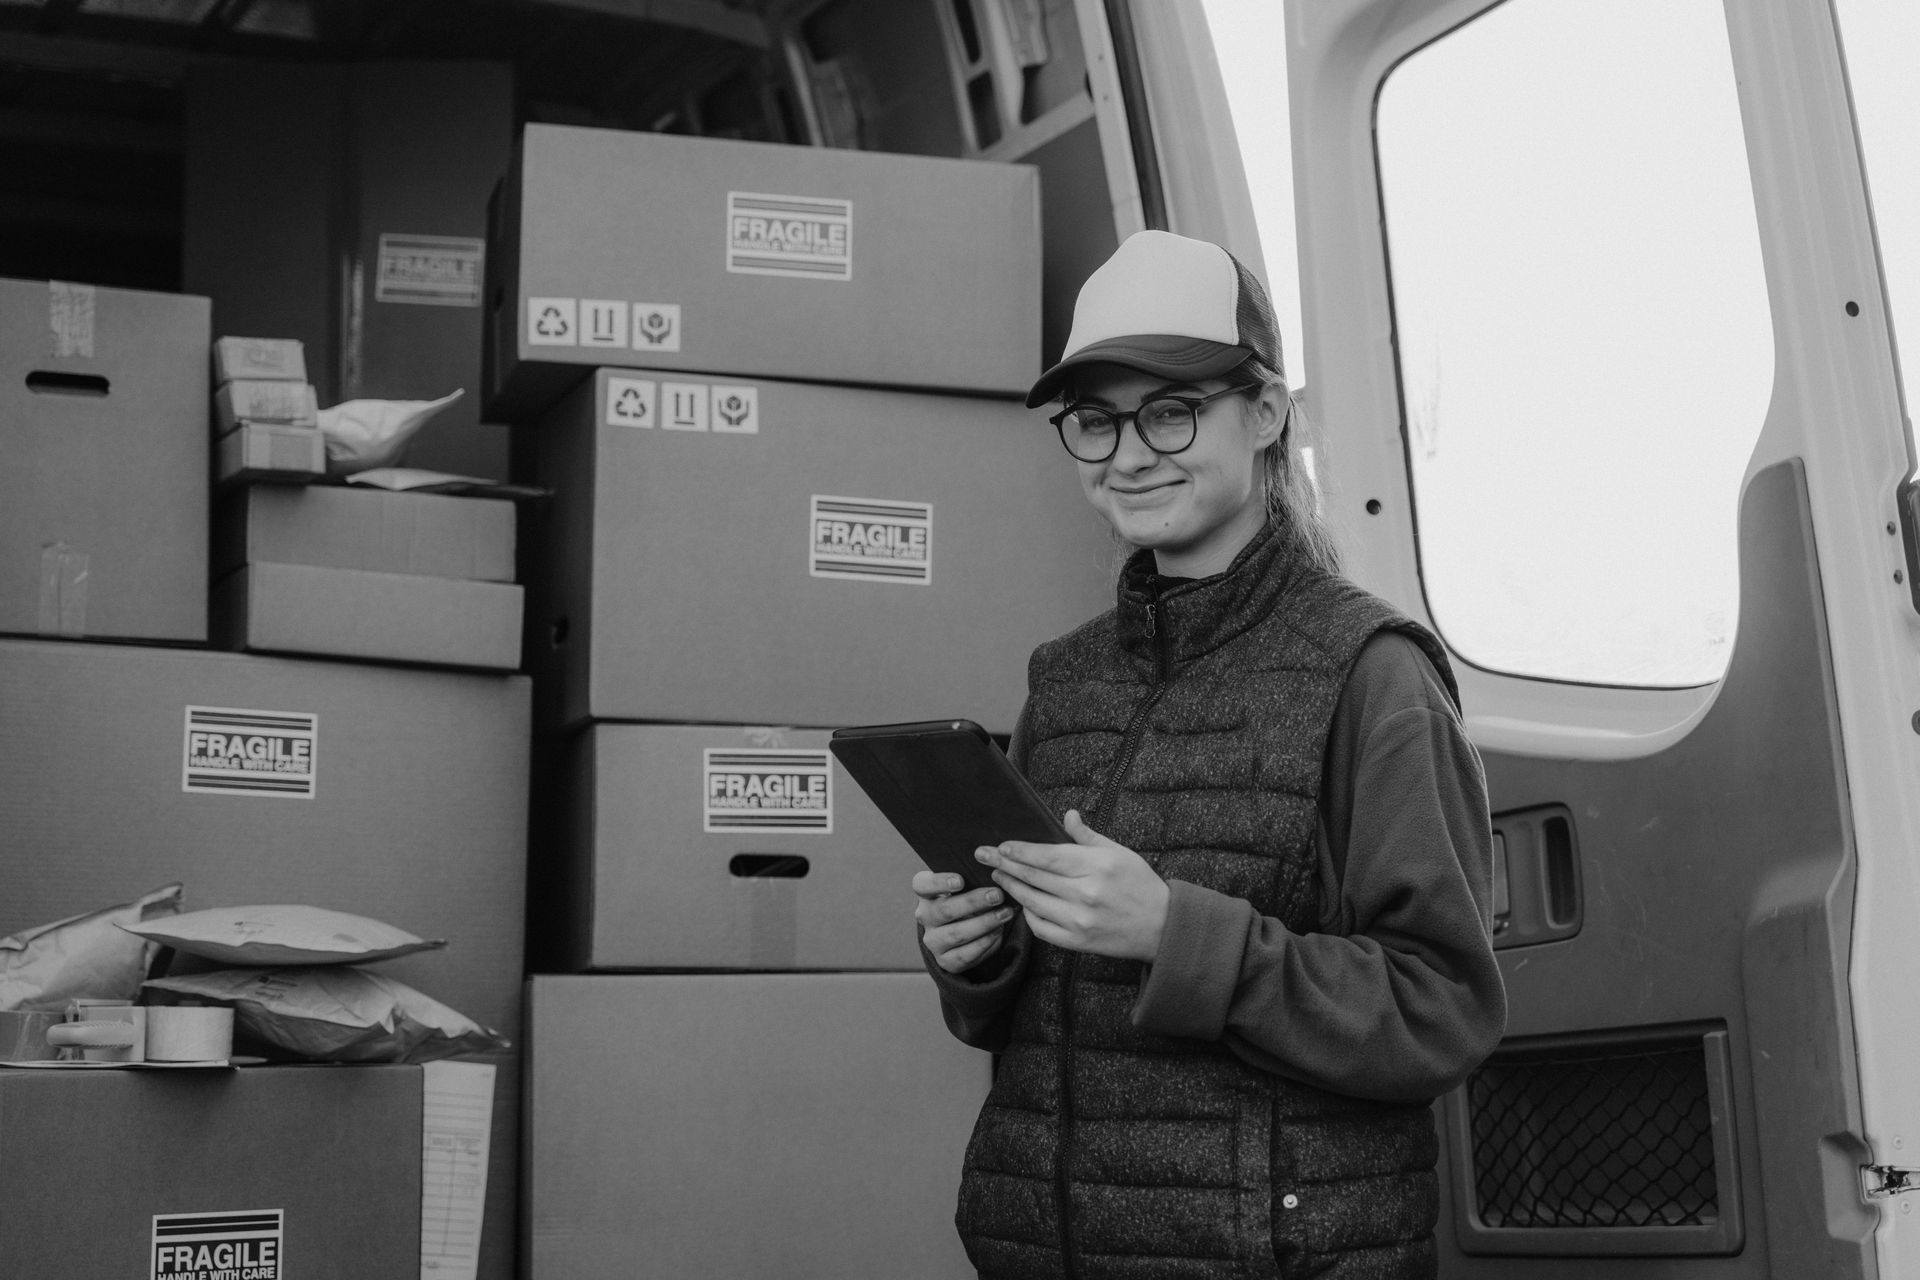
453 1174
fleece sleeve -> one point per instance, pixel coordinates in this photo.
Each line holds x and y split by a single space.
1396 994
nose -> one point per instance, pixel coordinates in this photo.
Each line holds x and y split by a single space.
1131 453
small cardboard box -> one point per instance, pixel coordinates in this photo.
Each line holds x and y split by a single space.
103 499
745 1125
381 617
284 359
309 1172
357 527
406 803
703 847
615 248
265 400
755 552
267 453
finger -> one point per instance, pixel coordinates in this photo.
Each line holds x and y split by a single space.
933 912
936 884
1008 873
960 933
962 958
1083 834
1036 904
1061 859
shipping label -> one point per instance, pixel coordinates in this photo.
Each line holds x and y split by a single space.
433 271
631 402
240 1245
760 790
799 236
870 540
230 751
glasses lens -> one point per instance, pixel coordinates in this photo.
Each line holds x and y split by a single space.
1167 425
1088 433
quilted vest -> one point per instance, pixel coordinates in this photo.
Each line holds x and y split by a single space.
1191 726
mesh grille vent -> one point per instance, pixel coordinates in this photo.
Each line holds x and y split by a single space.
1620 1138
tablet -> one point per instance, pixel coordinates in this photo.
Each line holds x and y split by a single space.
947 789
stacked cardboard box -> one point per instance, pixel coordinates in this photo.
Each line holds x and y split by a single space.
266 418
387 791
740 368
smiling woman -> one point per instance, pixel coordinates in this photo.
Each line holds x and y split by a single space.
1268 932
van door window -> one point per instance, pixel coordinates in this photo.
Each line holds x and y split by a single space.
1584 345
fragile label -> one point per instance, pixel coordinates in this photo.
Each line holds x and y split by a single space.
801 236
230 751
434 271
242 1245
870 540
767 790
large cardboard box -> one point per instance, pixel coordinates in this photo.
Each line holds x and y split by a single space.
307 1172
615 248
378 617
399 794
704 847
807 1126
359 527
103 498
757 552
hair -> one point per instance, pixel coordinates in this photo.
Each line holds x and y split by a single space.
1293 503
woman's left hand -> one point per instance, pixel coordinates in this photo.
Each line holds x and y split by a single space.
1092 895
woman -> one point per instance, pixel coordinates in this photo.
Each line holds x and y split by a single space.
1224 1010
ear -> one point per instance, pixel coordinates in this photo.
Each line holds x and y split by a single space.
1268 414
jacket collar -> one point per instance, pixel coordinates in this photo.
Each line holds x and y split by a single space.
1196 617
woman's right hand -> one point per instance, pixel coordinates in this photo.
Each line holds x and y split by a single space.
958 929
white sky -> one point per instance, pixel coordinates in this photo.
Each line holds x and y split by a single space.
1587 352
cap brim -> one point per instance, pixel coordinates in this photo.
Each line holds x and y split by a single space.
1174 357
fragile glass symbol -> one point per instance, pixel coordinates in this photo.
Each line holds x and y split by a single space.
656 327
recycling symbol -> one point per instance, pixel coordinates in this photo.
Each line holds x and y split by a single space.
656 328
733 408
631 405
551 324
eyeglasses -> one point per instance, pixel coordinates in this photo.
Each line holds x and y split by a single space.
1166 424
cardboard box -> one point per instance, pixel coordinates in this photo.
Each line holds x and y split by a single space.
745 1125
381 617
413 810
266 453
313 1172
345 204
357 527
647 249
281 358
264 400
679 576
702 847
103 499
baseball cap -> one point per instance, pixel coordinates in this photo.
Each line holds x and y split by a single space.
1168 305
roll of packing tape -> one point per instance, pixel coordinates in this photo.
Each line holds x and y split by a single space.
189 1034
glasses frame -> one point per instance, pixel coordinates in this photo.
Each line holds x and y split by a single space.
1193 405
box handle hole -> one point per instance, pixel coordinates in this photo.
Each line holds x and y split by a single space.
48 383
768 866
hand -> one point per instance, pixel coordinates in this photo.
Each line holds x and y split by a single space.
1092 895
959 929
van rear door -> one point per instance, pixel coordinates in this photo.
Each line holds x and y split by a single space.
1600 354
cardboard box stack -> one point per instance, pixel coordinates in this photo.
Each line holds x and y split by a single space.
772 391
390 791
266 418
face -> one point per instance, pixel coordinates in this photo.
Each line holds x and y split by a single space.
1194 509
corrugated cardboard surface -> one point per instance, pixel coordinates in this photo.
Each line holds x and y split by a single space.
418 815
283 358
385 617
944 289
265 400
795 1125
270 453
676 563
353 527
646 886
103 524
87 1158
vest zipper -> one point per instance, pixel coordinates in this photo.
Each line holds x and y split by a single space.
1096 817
